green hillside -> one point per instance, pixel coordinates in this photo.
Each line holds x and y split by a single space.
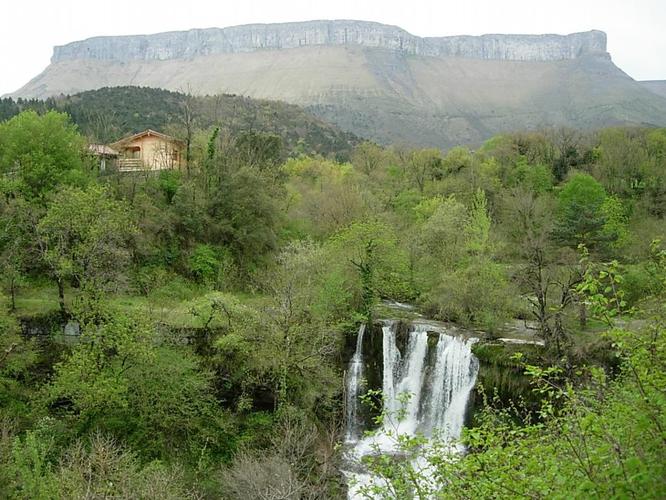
110 113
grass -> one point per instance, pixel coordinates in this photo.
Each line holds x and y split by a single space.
40 299
35 300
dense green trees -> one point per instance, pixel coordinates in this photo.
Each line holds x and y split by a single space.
18 221
85 238
37 153
108 114
580 216
213 306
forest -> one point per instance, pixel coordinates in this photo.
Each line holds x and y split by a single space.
184 334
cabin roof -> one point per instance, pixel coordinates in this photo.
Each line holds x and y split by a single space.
102 150
145 133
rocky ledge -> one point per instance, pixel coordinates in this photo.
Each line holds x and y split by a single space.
248 38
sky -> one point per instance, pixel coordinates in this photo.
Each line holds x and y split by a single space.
29 29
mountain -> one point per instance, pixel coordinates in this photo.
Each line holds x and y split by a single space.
374 80
656 86
107 114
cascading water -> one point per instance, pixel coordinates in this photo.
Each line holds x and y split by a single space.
423 394
453 379
391 363
403 416
354 386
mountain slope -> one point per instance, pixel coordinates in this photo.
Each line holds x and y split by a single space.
107 114
656 86
374 80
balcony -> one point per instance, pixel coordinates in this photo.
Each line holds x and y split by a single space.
130 164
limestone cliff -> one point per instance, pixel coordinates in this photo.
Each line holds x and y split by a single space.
374 80
249 38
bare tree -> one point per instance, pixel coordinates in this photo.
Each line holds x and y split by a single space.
187 119
550 284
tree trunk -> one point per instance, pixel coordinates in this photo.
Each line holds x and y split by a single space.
61 297
582 314
12 291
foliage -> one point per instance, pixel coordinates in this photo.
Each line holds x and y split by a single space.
580 216
85 235
84 238
39 153
17 232
204 263
215 304
17 357
457 297
96 468
323 197
109 113
373 244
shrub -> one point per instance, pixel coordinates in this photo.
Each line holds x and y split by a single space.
204 263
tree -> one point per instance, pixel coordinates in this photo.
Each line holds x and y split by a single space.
368 157
549 287
187 119
371 249
302 345
457 160
41 152
18 221
92 379
85 238
424 164
243 215
579 213
441 239
566 141
259 150
478 226
17 355
324 196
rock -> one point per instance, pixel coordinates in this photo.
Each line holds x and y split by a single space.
255 37
73 328
376 81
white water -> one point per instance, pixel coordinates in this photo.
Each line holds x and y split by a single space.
418 399
408 393
453 379
391 363
354 386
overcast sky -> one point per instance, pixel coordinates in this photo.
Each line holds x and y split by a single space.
30 28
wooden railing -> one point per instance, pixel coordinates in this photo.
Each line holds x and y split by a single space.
130 164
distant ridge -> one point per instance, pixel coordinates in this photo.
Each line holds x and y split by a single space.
656 86
253 37
374 80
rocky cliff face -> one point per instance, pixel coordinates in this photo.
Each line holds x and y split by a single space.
250 38
377 81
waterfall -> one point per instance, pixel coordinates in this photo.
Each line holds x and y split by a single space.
425 391
453 378
391 359
418 398
354 385
402 411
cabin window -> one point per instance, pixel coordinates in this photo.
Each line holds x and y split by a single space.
134 151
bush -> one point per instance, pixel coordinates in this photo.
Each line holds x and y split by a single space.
640 283
476 295
177 288
204 263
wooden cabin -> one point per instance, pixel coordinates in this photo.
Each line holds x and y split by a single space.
148 150
106 156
